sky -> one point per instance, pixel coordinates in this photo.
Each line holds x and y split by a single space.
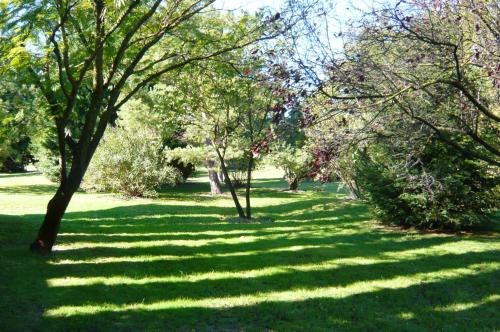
341 12
253 5
249 5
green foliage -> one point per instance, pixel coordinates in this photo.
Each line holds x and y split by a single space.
130 162
237 169
47 162
188 155
45 153
436 189
294 161
154 111
101 55
17 108
415 88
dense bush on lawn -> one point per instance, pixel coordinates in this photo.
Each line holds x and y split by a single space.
439 188
130 162
294 161
45 151
47 162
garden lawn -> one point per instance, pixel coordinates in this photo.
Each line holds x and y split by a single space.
179 263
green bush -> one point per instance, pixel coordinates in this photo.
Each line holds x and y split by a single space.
45 151
439 190
295 163
237 170
130 162
48 164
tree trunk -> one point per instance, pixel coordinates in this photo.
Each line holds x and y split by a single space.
247 186
229 184
294 184
349 181
56 207
213 178
221 176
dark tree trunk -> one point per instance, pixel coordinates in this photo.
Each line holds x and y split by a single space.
247 186
56 207
221 177
229 184
213 178
294 184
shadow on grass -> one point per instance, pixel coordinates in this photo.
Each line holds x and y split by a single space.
319 266
18 175
29 189
274 183
261 188
410 308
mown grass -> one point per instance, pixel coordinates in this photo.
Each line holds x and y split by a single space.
176 263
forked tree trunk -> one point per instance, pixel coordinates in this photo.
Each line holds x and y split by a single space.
56 207
213 178
229 184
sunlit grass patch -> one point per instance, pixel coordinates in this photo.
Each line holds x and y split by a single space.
175 263
294 295
152 258
216 275
469 305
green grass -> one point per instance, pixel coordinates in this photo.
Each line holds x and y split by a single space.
177 263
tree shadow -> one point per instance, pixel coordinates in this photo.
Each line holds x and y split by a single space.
180 266
29 189
410 308
17 175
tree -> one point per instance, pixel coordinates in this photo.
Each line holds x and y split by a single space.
410 106
255 102
230 107
89 58
227 115
434 62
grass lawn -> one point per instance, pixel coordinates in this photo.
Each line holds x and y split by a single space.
175 263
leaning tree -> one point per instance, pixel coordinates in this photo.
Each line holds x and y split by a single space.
89 57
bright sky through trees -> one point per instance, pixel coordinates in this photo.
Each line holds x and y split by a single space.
250 5
344 11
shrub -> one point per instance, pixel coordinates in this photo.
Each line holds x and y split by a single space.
46 157
295 162
439 190
130 162
47 163
14 156
237 170
185 169
185 159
